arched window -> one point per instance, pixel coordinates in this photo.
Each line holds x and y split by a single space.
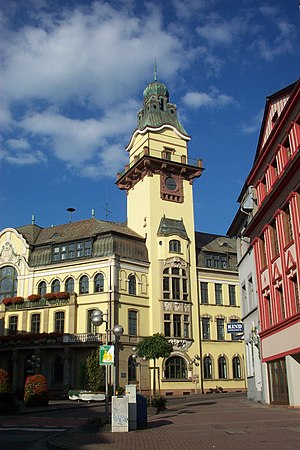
58 370
84 285
99 282
59 322
13 325
35 323
131 369
176 368
174 246
55 286
8 282
69 285
132 322
42 288
207 368
222 366
132 285
236 367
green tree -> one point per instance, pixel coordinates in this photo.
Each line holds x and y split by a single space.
95 372
154 347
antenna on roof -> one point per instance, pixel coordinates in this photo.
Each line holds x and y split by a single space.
71 210
107 211
155 69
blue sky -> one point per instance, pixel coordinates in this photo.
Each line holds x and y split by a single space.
72 81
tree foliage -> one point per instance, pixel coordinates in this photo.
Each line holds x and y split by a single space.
154 347
95 372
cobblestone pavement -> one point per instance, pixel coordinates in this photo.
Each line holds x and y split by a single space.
231 423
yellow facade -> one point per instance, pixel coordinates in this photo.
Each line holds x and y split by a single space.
150 276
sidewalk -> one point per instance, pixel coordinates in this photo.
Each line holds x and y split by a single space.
231 423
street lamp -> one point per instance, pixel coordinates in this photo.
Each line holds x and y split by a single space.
97 320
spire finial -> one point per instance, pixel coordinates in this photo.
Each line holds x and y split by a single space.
155 69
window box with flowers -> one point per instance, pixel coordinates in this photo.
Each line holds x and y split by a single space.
13 302
57 298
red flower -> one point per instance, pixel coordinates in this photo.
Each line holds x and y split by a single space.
34 297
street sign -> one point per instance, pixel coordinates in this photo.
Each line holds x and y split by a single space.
107 355
235 327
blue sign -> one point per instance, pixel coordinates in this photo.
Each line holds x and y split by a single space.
235 327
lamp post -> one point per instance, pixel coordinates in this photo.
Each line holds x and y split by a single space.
97 320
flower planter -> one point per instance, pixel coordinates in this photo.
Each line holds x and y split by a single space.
74 398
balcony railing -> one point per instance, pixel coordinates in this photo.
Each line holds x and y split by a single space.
83 337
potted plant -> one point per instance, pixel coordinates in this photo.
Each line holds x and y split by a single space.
36 393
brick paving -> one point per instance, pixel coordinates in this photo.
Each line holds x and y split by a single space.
230 423
213 422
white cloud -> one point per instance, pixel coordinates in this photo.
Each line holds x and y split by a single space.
62 71
213 99
254 124
218 31
23 158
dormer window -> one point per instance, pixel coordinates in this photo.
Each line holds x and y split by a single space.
174 246
72 250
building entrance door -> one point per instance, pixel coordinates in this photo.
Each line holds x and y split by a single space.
278 382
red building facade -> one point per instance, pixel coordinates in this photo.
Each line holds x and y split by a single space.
274 232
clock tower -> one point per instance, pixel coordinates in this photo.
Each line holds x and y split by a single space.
159 184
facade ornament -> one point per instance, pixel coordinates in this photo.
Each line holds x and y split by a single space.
8 254
180 344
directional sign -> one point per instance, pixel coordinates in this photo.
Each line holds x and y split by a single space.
107 355
235 327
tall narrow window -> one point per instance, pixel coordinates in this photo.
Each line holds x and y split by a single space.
35 323
204 292
13 325
8 282
84 285
42 288
236 367
132 285
263 257
232 295
69 285
175 284
268 306
288 225
222 366
132 323
59 321
218 294
177 325
205 328
167 325
207 368
274 238
91 328
99 283
55 286
220 330
186 326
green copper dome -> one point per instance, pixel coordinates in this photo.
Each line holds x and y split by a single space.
156 88
157 110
